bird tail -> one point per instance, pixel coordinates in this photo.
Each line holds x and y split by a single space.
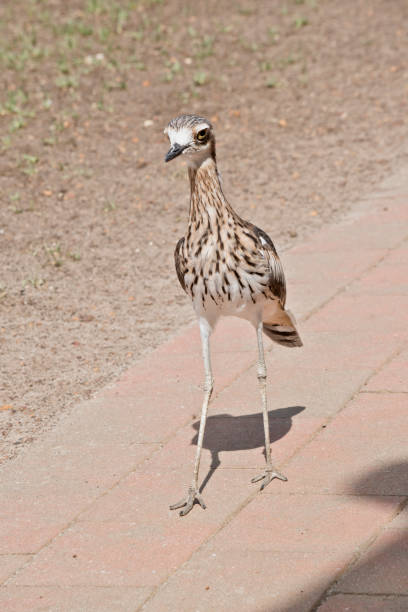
280 325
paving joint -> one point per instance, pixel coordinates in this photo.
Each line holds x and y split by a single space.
344 287
363 548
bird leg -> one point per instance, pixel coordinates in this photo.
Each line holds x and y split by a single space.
270 472
193 492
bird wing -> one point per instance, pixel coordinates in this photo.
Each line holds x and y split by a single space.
180 262
278 324
269 259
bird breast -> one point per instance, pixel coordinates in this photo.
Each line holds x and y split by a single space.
220 273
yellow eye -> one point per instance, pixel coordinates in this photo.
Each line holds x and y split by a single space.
201 135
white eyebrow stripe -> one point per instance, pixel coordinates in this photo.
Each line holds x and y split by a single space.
183 136
202 126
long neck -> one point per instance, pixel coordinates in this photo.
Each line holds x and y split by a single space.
207 201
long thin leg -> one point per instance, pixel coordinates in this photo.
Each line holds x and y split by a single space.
270 473
193 492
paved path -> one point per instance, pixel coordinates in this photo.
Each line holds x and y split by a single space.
85 524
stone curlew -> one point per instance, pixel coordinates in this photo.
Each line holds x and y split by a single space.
229 267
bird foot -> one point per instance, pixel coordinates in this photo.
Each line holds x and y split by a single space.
267 475
188 502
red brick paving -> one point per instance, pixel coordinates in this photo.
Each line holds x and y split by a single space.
67 599
393 377
225 579
85 520
382 569
10 563
365 603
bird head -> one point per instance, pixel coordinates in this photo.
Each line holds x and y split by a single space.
192 136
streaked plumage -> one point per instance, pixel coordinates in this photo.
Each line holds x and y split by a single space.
228 266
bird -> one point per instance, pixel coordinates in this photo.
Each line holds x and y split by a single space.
228 267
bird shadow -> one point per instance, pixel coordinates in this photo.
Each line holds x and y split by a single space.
224 432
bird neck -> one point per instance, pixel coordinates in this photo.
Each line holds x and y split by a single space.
207 200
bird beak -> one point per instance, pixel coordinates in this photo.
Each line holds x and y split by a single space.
175 150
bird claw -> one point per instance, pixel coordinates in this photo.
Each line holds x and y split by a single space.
269 474
188 502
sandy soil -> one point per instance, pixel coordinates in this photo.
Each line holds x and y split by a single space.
309 101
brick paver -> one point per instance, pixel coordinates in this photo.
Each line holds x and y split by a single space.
365 603
382 569
67 599
85 520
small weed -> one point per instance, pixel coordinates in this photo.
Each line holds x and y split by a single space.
288 61
67 82
185 97
200 78
110 205
118 84
6 142
29 163
265 66
15 101
75 256
35 282
159 33
301 22
30 159
246 11
204 47
175 68
13 105
273 34
103 34
15 61
137 35
97 7
85 172
75 26
63 66
136 63
121 19
53 253
271 82
227 28
248 45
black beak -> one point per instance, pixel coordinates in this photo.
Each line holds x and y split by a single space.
175 150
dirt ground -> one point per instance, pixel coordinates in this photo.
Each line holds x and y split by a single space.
309 102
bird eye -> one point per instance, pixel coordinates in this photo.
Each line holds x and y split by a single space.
201 135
